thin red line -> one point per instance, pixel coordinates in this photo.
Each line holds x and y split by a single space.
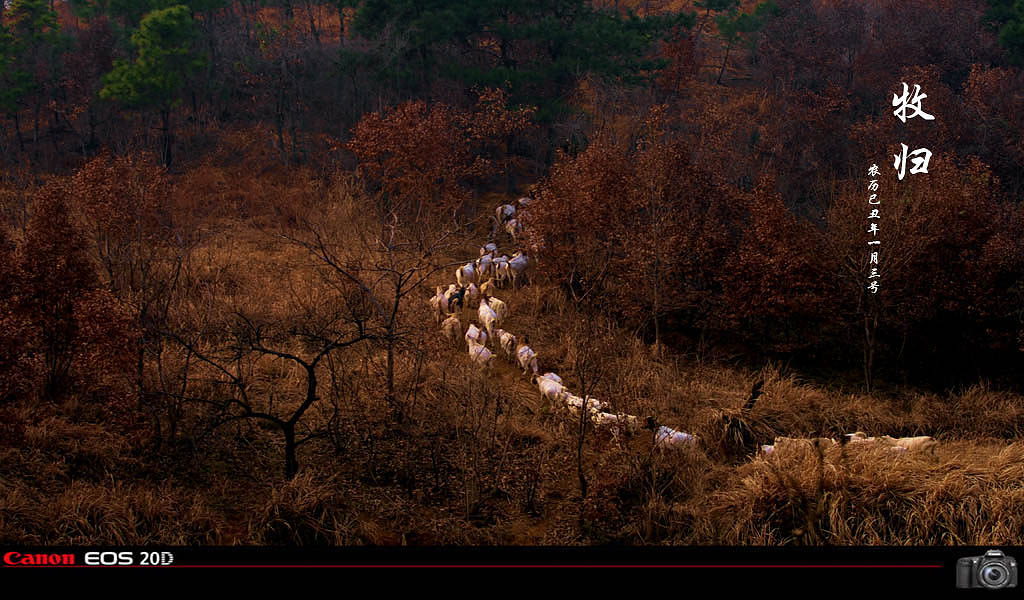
491 566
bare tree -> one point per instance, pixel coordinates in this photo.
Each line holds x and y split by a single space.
588 353
235 358
387 259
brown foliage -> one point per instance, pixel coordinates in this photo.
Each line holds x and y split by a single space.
425 155
634 223
778 286
65 334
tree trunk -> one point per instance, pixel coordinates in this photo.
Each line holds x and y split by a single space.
17 130
870 333
721 71
700 28
35 130
312 24
341 24
657 295
165 142
581 476
53 130
92 127
389 394
291 463
139 366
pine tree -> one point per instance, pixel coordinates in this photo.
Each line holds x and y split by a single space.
155 80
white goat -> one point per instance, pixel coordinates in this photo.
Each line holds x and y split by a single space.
466 274
507 341
474 334
552 377
480 355
604 419
451 328
517 265
487 317
859 437
489 248
784 443
439 304
513 227
484 265
487 287
525 201
502 272
666 436
497 306
550 389
923 443
575 403
504 212
473 294
527 357
615 423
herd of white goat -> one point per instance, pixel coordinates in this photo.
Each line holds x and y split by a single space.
476 282
922 443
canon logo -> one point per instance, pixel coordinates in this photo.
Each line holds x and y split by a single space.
19 559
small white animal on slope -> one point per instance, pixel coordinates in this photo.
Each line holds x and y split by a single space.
526 356
502 272
552 390
513 227
489 248
783 442
504 212
484 265
473 294
474 334
439 304
615 423
552 377
525 201
487 317
922 443
666 436
465 274
498 307
517 265
861 438
487 287
507 341
604 419
787 444
575 403
480 355
451 328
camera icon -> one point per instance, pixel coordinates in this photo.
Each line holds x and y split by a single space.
993 570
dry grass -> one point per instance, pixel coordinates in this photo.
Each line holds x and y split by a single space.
306 511
862 496
106 513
